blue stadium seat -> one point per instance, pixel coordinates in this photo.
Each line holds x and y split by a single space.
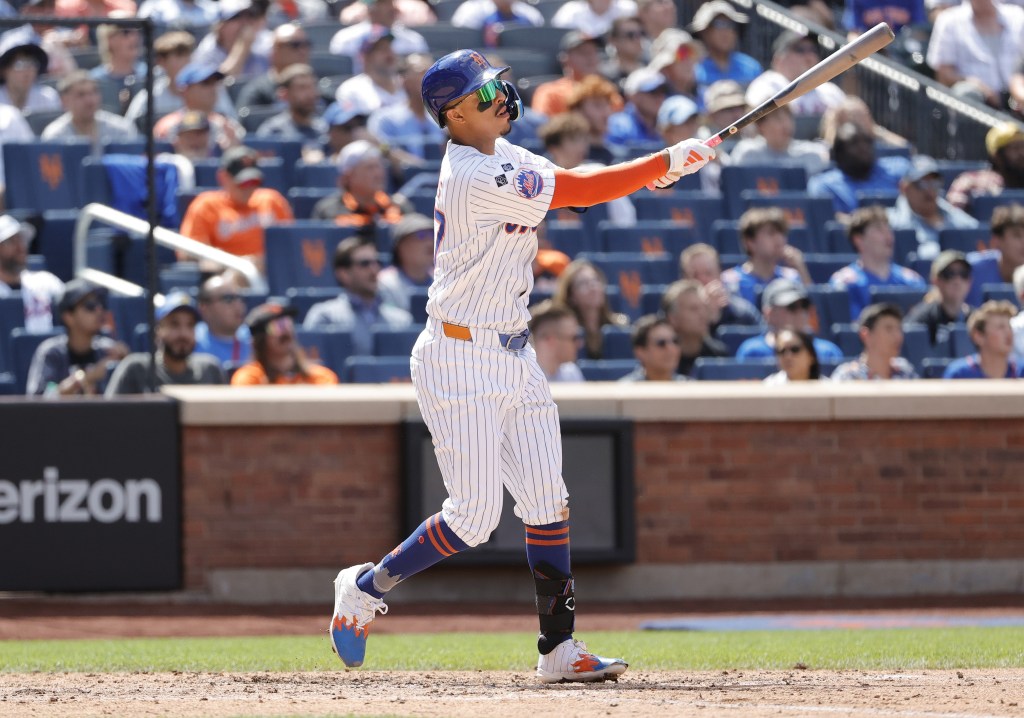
443 37
394 342
883 150
570 238
832 306
302 255
23 347
921 266
8 384
589 220
135 147
765 179
917 345
288 151
695 210
965 240
304 199
321 32
822 266
134 265
616 343
180 275
423 201
650 301
330 347
646 237
982 206
726 234
44 175
302 298
12 316
418 305
732 335
935 367
419 180
903 297
606 369
802 212
629 272
847 337
545 38
869 199
951 169
271 167
128 313
727 369
377 370
55 241
316 174
1000 291
838 242
960 344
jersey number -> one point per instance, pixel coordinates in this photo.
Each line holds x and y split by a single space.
439 232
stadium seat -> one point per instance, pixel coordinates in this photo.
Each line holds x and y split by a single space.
732 335
569 237
320 34
546 38
271 167
982 206
847 337
180 275
288 151
302 298
765 179
443 37
8 384
589 220
606 369
903 297
726 237
647 236
12 316
86 58
128 313
304 199
831 306
377 370
394 342
960 344
325 64
135 147
133 258
869 199
1000 291
44 175
965 240
445 9
330 347
616 343
935 367
23 347
301 255
690 209
316 174
55 241
423 201
802 212
821 267
728 369
252 117
917 345
629 272
883 150
650 300
951 169
418 305
39 120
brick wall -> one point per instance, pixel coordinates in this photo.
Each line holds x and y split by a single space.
315 496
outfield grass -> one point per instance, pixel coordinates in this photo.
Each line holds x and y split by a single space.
983 647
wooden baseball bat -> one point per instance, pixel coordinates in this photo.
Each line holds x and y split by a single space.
839 61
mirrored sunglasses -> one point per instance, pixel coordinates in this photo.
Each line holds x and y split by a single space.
953 273
662 343
793 349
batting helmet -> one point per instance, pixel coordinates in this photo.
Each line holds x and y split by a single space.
458 74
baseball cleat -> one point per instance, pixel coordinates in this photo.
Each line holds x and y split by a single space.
571 662
354 610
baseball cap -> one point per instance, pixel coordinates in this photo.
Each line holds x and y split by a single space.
782 293
193 121
228 9
375 34
574 38
675 111
665 49
259 317
1001 135
411 224
945 260
341 113
196 72
722 95
710 10
173 302
240 163
10 227
786 40
355 152
643 80
920 167
289 73
75 291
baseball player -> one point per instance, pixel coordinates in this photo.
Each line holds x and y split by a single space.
479 388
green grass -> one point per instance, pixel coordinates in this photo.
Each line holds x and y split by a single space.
827 649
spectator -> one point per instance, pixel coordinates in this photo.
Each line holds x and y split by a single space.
792 55
231 45
380 13
39 290
675 55
700 261
862 15
557 337
179 13
636 124
492 17
345 125
411 13
412 256
222 333
593 17
233 217
378 85
76 362
176 360
678 119
920 208
944 307
716 24
685 306
277 357
991 332
22 61
360 306
872 238
880 329
290 45
361 201
656 16
583 288
55 39
192 136
1018 321
120 52
407 124
724 103
1005 146
597 100
200 87
797 358
774 145
997 264
580 57
857 170
13 128
854 109
548 266
785 305
656 348
299 121
173 51
763 237
93 8
975 47
83 119
625 49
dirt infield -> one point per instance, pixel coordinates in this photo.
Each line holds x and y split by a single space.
751 694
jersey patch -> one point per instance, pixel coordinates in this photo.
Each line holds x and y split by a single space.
507 167
500 180
528 183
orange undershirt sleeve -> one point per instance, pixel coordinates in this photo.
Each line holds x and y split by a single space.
584 189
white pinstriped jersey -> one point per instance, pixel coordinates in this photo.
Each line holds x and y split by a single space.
485 217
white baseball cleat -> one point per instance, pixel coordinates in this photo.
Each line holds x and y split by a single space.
354 610
572 662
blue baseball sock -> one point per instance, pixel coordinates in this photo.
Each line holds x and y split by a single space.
547 551
427 545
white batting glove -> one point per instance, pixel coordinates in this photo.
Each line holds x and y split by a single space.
685 158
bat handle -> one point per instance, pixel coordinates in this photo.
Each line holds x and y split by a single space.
716 140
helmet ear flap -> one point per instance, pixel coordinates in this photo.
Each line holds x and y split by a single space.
513 103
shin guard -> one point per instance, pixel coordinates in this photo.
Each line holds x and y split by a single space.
556 606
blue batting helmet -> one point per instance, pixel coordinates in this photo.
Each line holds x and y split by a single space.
456 75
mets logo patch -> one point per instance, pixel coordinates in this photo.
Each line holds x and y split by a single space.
500 180
506 167
528 183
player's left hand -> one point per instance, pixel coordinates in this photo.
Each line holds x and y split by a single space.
685 158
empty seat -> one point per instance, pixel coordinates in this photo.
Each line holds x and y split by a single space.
1000 291
271 167
688 209
288 151
802 212
394 342
606 369
316 174
128 313
616 343
44 175
734 335
377 370
727 369
629 272
12 316
903 297
646 237
831 306
569 237
845 335
320 34
23 348
443 37
965 240
982 206
765 179
302 255
304 199
960 344
330 347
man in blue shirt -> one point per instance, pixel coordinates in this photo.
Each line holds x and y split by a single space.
408 124
763 237
872 237
786 305
637 123
1006 253
990 330
716 24
222 331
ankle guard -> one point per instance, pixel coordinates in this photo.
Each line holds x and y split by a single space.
556 606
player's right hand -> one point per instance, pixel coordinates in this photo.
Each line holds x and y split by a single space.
685 158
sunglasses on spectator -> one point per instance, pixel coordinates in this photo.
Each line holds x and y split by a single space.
799 304
721 23
298 44
930 183
951 273
175 51
804 49
365 263
631 35
127 31
792 349
281 327
228 298
92 305
662 343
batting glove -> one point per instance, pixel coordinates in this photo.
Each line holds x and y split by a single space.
685 158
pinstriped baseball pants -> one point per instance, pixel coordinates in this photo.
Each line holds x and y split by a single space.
493 424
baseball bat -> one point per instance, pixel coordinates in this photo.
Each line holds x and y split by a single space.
839 61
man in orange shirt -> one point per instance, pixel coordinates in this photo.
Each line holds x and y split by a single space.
277 357
581 55
233 217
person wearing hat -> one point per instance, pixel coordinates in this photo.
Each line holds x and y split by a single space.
379 84
412 260
407 124
277 357
297 87
645 90
626 49
176 359
192 136
345 124
379 14
83 118
678 118
234 217
880 328
222 332
596 99
785 304
773 145
580 55
675 54
360 305
22 61
717 25
39 290
361 200
179 13
77 362
998 263
237 43
792 55
724 103
945 305
290 45
1004 144
592 17
921 207
200 87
